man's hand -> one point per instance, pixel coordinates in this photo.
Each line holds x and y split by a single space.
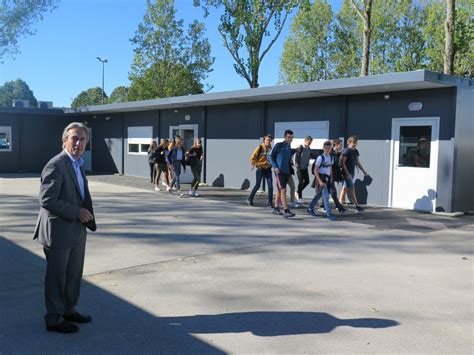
85 216
321 184
277 171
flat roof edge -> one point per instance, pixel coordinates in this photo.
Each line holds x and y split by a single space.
256 94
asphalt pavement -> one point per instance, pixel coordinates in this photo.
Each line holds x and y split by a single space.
209 275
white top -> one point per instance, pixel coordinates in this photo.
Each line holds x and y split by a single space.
326 166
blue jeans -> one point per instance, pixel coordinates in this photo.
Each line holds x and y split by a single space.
259 175
325 193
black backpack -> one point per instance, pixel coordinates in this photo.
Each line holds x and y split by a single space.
320 165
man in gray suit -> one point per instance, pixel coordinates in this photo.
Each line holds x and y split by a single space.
65 212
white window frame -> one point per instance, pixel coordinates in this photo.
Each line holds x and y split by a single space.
8 131
138 135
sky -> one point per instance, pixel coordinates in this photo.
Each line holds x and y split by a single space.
59 61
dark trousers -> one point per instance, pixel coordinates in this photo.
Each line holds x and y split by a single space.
63 281
152 171
333 192
196 170
259 175
303 178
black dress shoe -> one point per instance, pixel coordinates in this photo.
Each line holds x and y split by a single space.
78 318
63 327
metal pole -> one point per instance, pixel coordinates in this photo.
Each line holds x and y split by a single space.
103 70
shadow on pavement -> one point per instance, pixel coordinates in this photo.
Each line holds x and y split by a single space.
122 327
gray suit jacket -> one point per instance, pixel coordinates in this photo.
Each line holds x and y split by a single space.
58 225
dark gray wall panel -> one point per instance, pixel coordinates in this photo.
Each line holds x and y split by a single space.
41 139
106 143
321 109
177 117
463 192
370 116
235 121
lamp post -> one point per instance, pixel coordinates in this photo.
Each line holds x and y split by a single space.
103 66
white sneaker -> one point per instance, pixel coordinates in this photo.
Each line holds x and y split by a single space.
180 194
322 209
164 184
300 201
294 204
168 189
157 188
196 194
191 192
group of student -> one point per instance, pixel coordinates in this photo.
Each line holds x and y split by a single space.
168 159
334 164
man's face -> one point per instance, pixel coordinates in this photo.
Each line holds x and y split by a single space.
327 149
338 147
289 138
307 143
76 141
267 141
352 145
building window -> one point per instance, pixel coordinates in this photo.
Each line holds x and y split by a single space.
139 139
5 139
415 144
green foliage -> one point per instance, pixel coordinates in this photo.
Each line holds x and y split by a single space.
161 47
119 94
245 24
164 80
16 19
16 90
92 96
406 35
346 46
306 53
433 33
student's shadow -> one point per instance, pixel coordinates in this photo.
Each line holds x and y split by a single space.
361 191
271 323
425 203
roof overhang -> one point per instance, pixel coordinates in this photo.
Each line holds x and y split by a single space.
414 80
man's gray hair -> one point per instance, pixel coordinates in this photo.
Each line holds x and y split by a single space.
75 125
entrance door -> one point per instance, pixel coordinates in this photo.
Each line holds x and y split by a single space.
87 156
414 163
188 133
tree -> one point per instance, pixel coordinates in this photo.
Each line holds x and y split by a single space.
449 37
16 90
244 25
161 46
347 42
16 19
364 11
164 80
119 94
306 52
434 35
92 96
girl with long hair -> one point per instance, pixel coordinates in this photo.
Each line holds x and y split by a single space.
176 158
195 157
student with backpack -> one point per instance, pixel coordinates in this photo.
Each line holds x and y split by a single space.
323 177
302 157
259 160
337 175
280 157
349 160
